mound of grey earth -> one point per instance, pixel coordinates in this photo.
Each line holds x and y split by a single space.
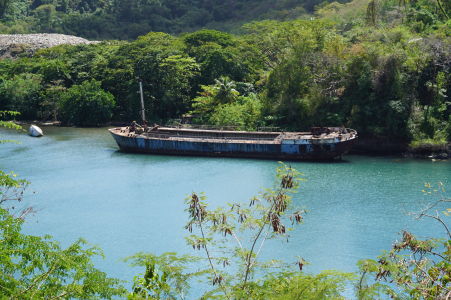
12 45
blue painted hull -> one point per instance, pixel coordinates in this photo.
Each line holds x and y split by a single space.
269 150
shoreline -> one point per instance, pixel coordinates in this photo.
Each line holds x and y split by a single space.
363 146
383 147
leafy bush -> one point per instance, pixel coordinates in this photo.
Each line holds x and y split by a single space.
231 239
21 93
35 267
245 114
86 104
414 268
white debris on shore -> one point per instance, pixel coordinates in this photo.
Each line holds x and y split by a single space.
12 44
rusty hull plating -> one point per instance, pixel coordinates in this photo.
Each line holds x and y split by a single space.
319 144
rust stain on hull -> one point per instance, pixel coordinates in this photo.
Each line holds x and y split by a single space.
269 145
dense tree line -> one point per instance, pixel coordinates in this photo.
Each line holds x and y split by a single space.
107 19
382 69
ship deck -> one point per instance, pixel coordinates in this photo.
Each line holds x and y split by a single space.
280 145
220 136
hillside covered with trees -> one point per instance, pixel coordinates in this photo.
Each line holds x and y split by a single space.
112 19
381 67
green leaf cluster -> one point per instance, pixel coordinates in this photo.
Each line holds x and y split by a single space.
108 19
33 267
36 267
86 104
414 268
382 69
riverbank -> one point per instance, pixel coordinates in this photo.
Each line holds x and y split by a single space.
385 147
363 146
435 151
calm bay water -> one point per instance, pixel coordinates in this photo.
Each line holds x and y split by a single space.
127 203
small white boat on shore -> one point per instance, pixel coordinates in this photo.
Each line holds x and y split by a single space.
35 131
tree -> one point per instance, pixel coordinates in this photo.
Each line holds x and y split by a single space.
8 124
37 267
165 276
221 54
177 73
46 16
11 194
21 94
413 268
243 114
33 267
202 37
221 104
3 7
52 95
86 104
231 240
226 92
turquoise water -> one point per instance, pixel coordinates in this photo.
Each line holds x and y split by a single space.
81 186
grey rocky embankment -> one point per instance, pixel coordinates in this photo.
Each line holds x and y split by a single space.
12 45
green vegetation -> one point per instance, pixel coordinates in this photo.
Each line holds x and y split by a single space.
86 104
33 267
8 124
231 240
222 104
414 268
37 267
382 68
109 19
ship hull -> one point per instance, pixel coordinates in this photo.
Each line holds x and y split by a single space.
264 149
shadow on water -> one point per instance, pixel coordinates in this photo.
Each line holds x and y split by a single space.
64 138
20 149
16 151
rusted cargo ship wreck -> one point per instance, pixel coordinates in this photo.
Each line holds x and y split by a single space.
319 144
